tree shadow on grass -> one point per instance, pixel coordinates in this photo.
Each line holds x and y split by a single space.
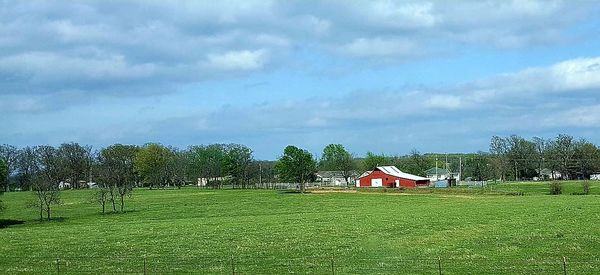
291 191
109 213
6 223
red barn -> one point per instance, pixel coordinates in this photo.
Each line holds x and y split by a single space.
390 176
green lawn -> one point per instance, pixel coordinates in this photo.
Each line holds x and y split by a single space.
262 231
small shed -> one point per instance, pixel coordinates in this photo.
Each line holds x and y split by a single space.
390 176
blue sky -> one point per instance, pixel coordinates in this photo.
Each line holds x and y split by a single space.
381 76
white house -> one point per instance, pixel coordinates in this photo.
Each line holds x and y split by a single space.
335 178
436 174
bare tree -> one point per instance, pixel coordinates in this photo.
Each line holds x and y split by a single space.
117 175
46 183
499 149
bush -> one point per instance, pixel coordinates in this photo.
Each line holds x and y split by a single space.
555 188
586 187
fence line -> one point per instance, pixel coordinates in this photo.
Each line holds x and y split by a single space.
312 265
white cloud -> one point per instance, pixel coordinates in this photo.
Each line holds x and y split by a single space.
577 74
380 47
449 102
238 60
401 15
582 116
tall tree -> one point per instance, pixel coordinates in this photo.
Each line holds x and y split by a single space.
236 163
479 167
176 167
297 166
499 149
561 153
415 163
9 154
336 158
117 174
47 182
541 148
522 157
373 160
27 167
587 157
151 162
77 161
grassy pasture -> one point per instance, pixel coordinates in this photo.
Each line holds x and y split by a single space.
262 231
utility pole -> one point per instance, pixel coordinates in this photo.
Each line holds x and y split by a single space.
516 176
260 174
445 154
436 171
459 168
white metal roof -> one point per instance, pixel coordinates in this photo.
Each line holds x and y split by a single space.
365 174
393 171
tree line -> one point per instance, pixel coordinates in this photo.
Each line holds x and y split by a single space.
509 158
115 170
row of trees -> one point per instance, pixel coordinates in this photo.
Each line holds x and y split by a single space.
564 156
117 169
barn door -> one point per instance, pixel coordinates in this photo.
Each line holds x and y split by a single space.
376 182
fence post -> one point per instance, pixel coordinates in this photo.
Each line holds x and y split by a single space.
145 272
332 267
440 265
57 266
564 265
232 266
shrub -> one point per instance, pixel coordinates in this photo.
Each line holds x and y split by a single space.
555 188
586 187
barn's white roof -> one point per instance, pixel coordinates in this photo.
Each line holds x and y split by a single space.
365 174
393 171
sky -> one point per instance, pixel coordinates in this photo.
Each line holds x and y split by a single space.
381 76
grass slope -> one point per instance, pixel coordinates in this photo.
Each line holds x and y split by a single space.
261 231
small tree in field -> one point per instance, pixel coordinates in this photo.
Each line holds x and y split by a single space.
555 188
296 165
46 183
586 187
116 174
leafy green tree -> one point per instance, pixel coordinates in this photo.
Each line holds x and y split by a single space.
415 163
206 162
9 154
27 167
587 157
77 161
176 167
373 160
479 167
522 157
117 176
297 166
561 153
336 158
151 162
236 163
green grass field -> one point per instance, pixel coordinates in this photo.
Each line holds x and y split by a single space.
463 230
